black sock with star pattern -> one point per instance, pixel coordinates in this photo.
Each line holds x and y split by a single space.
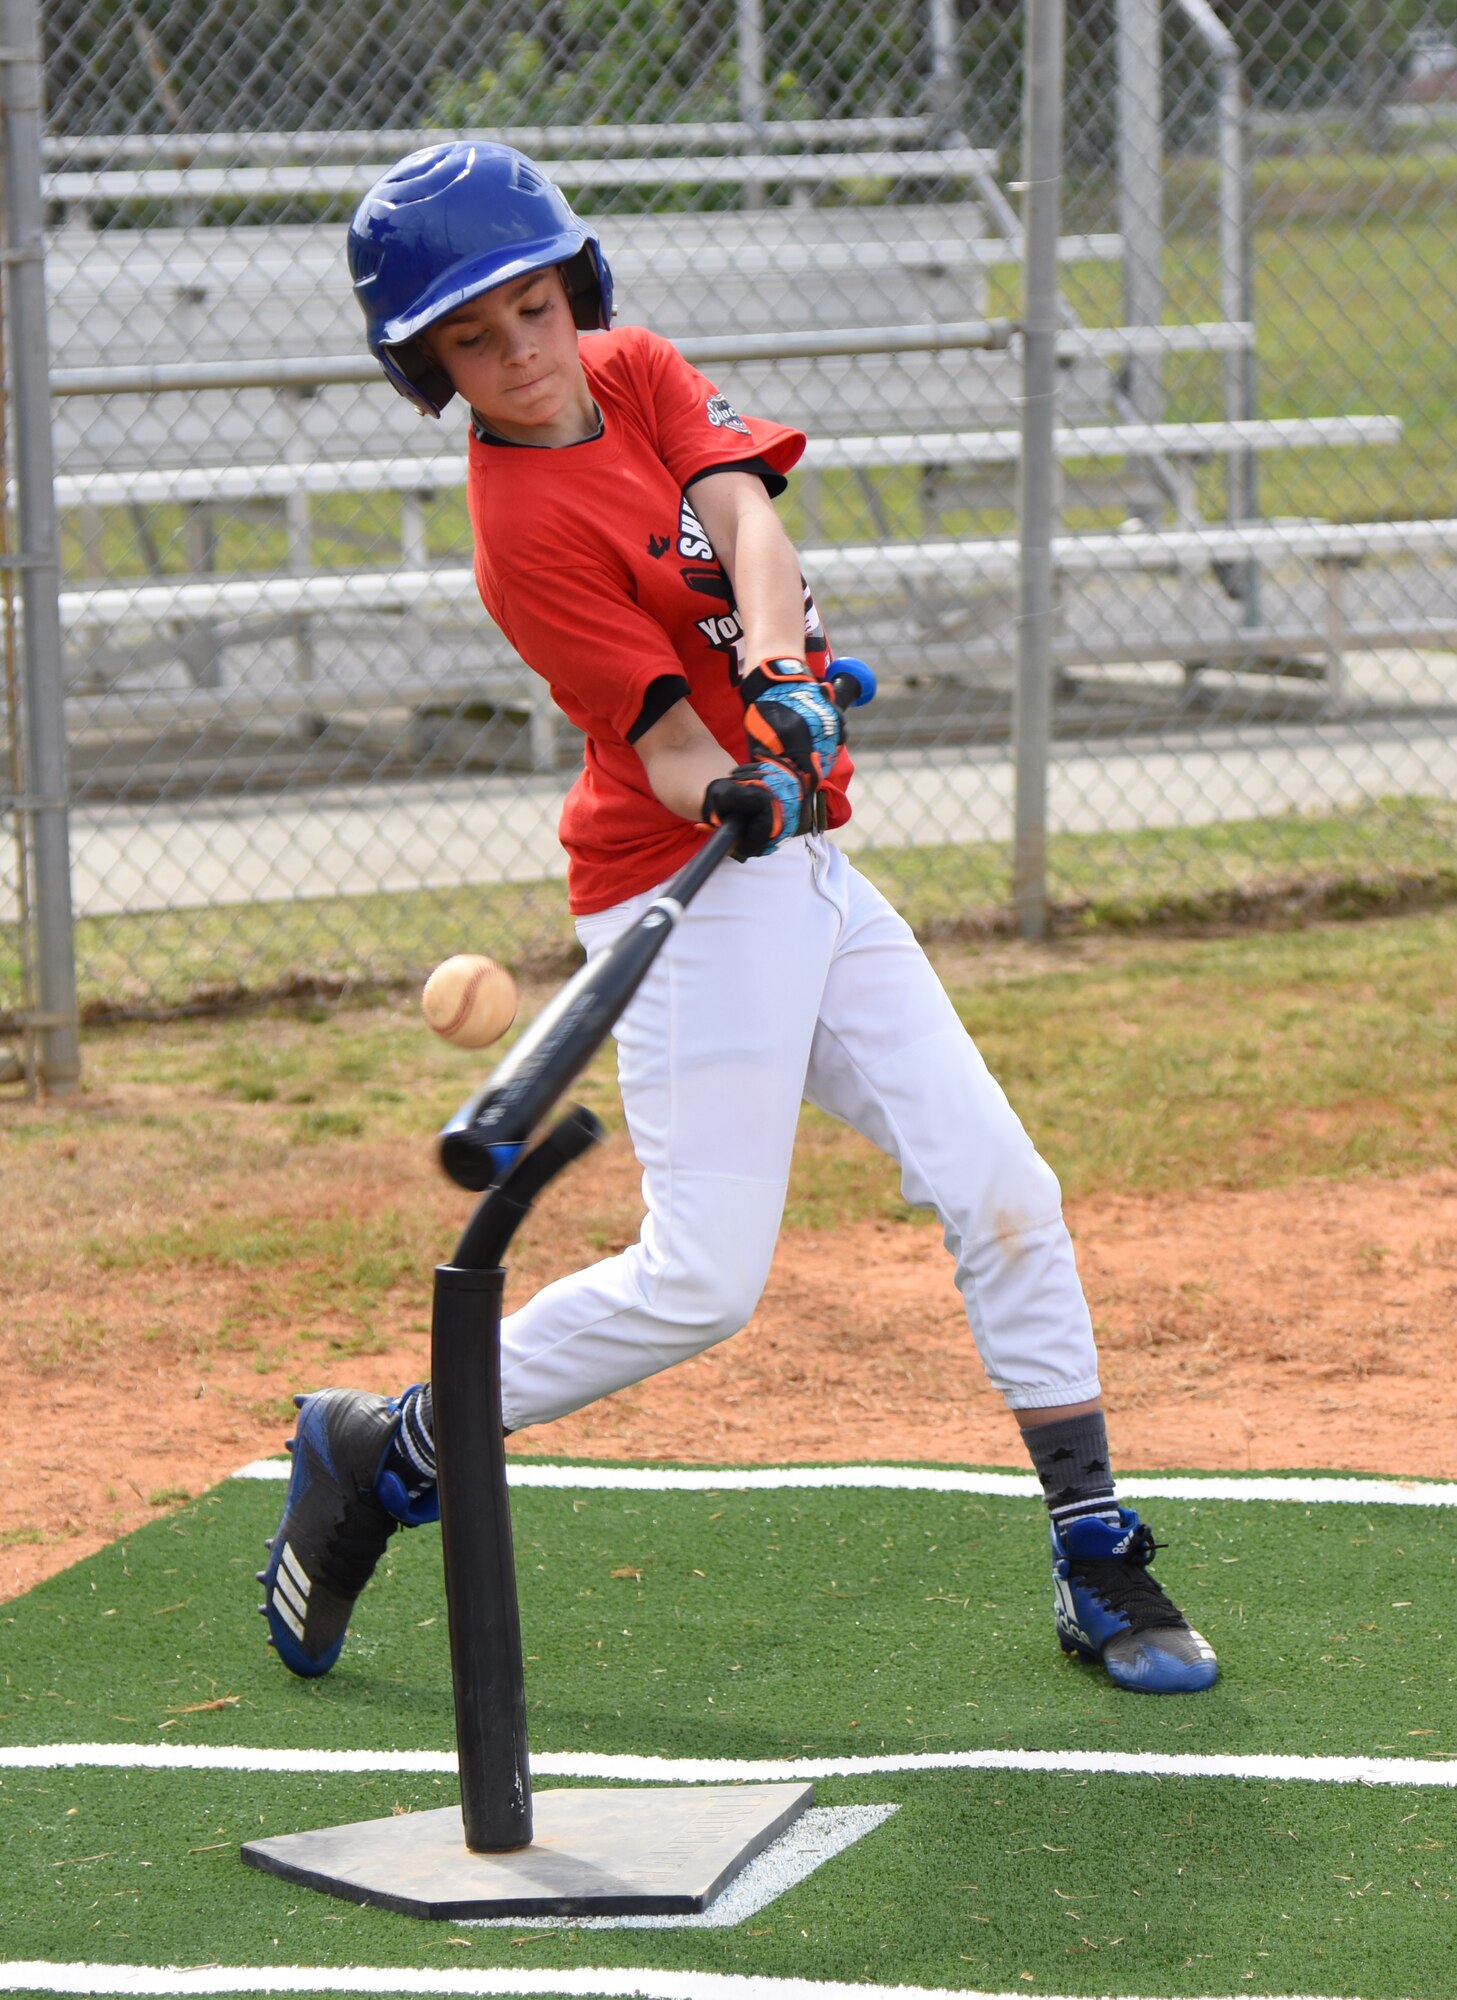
1071 1459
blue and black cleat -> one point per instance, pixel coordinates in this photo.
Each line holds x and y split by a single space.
341 1508
1109 1608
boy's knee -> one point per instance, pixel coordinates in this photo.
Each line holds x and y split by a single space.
1023 1198
706 1274
707 1298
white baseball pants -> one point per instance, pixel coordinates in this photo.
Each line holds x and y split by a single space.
791 978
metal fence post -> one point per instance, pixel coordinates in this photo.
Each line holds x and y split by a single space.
1140 192
945 82
1032 704
46 807
1236 271
749 16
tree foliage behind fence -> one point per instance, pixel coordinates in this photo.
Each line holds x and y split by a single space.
115 66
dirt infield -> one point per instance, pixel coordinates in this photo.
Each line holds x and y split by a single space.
1309 1326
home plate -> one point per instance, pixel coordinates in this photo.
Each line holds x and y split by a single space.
614 1851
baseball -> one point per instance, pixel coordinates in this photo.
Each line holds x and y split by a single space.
469 1000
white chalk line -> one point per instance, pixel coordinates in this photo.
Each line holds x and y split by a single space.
1313 1489
592 1983
1271 1768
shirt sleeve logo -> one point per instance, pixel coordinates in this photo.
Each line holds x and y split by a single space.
722 413
693 543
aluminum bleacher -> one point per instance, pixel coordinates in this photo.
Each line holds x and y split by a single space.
896 367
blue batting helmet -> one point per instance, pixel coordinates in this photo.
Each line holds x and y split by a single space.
448 223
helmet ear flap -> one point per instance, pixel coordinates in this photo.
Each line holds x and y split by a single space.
419 380
589 289
425 375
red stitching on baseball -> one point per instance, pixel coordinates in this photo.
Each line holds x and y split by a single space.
467 1000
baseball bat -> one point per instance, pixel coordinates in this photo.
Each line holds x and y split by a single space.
495 1120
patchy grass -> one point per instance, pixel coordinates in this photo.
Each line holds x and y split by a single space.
1137 1063
1246 1061
1287 868
1383 854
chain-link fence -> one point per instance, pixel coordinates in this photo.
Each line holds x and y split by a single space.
301 757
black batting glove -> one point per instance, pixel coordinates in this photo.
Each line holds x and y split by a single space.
769 802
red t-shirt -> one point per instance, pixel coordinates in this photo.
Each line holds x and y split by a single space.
592 562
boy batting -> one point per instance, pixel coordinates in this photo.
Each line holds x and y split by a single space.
627 544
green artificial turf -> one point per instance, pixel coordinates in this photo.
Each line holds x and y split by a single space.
771 1624
1091 1885
763 1625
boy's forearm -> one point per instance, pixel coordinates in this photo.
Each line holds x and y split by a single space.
769 590
680 776
763 567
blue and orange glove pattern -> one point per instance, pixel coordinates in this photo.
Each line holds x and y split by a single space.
769 802
791 716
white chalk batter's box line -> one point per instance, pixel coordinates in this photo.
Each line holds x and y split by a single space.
589 1982
816 1837
1407 1773
1313 1489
